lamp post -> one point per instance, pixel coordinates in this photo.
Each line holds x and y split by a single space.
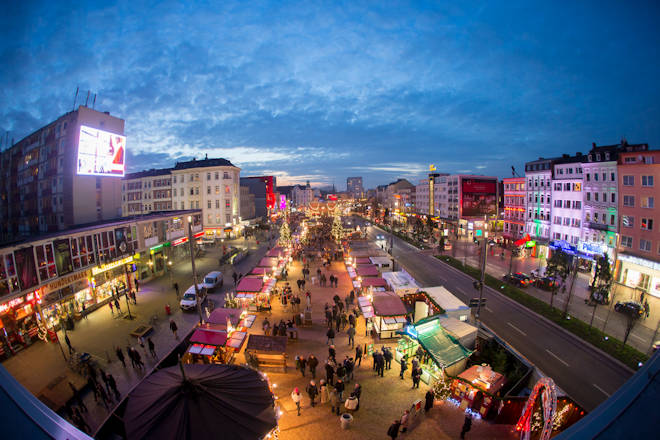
483 273
194 271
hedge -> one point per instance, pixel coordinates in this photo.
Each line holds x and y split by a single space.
614 347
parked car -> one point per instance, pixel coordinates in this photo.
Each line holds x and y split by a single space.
189 302
213 280
631 308
380 237
447 246
518 279
545 283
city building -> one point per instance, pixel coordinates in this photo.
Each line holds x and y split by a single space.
515 206
538 176
65 173
566 197
51 280
354 187
147 191
247 211
638 265
211 185
302 195
263 189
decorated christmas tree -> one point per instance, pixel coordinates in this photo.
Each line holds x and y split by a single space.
337 228
442 388
285 234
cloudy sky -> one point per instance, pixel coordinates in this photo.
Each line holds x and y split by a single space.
324 90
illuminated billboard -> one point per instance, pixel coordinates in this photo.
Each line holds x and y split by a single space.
100 153
479 197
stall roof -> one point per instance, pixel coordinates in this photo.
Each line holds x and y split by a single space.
267 343
366 307
401 281
381 261
388 304
220 315
373 281
250 285
267 262
277 251
363 260
208 337
441 346
484 377
259 271
456 327
367 270
444 298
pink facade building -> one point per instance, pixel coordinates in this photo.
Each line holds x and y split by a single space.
514 208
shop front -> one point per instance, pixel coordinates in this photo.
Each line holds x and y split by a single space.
639 274
66 299
19 323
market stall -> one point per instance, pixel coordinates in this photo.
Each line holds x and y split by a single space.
385 311
277 252
438 300
476 387
266 351
374 282
367 270
384 263
401 282
258 272
248 293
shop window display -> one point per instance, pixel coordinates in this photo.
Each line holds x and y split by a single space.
8 279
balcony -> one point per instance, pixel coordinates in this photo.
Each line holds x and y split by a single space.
598 226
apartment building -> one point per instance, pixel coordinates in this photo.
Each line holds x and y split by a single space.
566 196
515 207
147 191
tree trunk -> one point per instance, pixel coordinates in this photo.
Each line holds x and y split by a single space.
570 290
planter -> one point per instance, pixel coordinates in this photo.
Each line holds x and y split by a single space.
345 420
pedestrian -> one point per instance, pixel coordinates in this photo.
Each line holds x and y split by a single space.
351 336
350 366
140 342
338 322
329 373
312 391
333 397
312 363
152 347
331 336
332 353
357 390
266 327
429 398
174 328
76 397
104 377
351 320
137 286
393 430
296 397
80 422
416 376
92 386
83 313
404 367
112 310
117 305
303 365
138 358
387 354
131 355
323 392
341 372
104 396
176 289
113 386
358 355
405 418
120 356
339 386
68 343
467 425
91 372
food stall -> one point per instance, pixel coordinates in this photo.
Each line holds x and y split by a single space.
442 352
248 293
476 387
373 282
401 282
386 312
384 263
266 351
437 300
258 272
367 270
276 252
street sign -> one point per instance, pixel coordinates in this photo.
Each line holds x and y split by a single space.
474 302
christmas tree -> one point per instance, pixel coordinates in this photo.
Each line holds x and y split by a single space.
442 388
337 228
285 234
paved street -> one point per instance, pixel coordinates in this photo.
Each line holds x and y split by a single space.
585 373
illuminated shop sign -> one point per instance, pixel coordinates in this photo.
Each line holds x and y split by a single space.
99 269
65 281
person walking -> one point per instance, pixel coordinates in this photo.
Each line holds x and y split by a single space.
467 425
152 347
416 376
429 398
405 418
312 391
296 397
312 363
120 356
358 355
117 305
174 328
333 397
380 364
104 377
303 365
76 397
112 310
357 390
350 366
329 373
332 353
331 336
341 372
339 386
323 392
80 422
351 336
176 289
113 386
393 430
266 327
387 354
68 343
138 358
404 367
140 341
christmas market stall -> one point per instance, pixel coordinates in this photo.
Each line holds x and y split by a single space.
367 270
438 301
385 312
383 263
259 272
401 282
276 252
248 293
374 282
266 351
269 263
436 348
477 388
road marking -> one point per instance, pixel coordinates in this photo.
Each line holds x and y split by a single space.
488 308
601 390
598 317
637 337
516 328
557 357
462 291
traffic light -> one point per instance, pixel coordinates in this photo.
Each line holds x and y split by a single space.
474 302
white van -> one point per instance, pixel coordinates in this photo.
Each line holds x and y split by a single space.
189 302
213 280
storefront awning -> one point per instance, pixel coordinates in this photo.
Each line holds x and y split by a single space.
220 316
366 307
236 340
364 260
259 271
268 262
277 251
388 304
250 285
205 350
367 270
201 336
441 346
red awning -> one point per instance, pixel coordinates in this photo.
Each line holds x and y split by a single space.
523 240
388 304
277 251
363 260
259 271
373 281
201 336
219 316
250 285
268 262
367 270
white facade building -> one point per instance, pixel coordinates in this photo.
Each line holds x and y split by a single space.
146 191
302 196
567 201
538 175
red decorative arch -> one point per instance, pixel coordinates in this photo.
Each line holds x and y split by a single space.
548 391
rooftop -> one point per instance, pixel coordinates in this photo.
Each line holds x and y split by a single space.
148 173
218 162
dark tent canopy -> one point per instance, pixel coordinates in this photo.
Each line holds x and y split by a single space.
215 401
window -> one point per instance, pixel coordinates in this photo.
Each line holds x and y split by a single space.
613 197
228 218
567 221
628 180
576 223
557 186
648 159
596 177
45 261
183 206
588 177
225 175
629 201
648 202
197 190
557 220
612 177
208 205
567 186
595 197
626 241
647 223
174 192
192 192
208 217
217 204
208 177
217 189
647 180
557 203
588 197
644 245
604 177
208 190
587 217
216 177
196 204
577 204
227 203
612 219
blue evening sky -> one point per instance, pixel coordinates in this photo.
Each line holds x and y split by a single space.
324 90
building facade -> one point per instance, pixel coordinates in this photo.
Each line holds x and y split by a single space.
638 265
538 177
147 191
47 186
515 207
302 195
263 189
566 196
247 210
354 187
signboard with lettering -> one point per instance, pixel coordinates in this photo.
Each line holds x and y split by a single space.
65 281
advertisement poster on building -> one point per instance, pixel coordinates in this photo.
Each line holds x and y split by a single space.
122 242
26 269
100 153
479 197
63 260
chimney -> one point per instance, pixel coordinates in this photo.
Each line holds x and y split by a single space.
593 145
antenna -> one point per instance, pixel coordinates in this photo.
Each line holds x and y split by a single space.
94 102
75 99
87 99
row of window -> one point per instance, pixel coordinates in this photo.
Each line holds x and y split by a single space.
600 177
628 221
209 219
567 221
578 170
573 239
217 204
645 202
569 204
514 187
644 245
194 177
630 181
596 197
577 186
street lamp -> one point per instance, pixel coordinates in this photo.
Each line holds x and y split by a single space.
194 271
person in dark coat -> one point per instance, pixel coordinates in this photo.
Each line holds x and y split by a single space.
339 387
312 391
393 430
68 343
303 365
358 393
332 353
312 363
113 386
120 356
467 425
358 355
387 354
329 373
416 376
404 367
152 347
429 397
331 336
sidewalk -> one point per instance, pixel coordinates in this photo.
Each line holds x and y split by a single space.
42 369
606 318
383 399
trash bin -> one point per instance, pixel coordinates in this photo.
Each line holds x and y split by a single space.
345 420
